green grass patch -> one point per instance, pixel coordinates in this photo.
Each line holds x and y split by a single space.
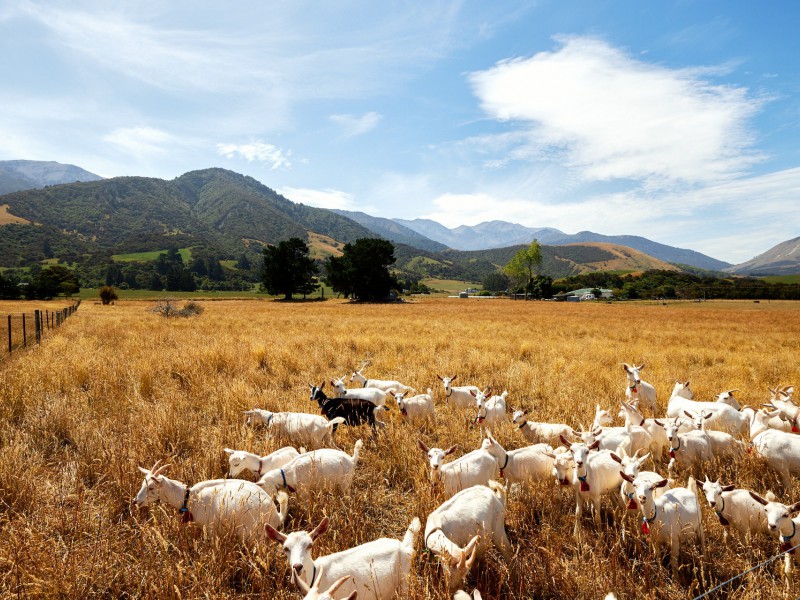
781 278
186 255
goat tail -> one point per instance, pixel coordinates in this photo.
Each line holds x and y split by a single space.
335 421
411 532
283 504
499 490
356 451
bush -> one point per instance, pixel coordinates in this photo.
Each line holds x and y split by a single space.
108 294
166 307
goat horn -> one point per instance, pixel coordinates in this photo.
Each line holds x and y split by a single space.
155 466
301 585
161 468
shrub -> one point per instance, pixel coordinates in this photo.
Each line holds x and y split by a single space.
108 294
166 307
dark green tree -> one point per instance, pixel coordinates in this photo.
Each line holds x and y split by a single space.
495 282
363 269
288 269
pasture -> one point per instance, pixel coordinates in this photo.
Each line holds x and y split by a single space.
120 387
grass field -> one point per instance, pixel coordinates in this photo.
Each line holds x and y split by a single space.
119 387
186 255
782 278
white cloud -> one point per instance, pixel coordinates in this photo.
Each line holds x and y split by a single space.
353 125
140 141
611 116
320 198
266 153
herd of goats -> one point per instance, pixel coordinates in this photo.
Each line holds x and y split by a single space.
600 461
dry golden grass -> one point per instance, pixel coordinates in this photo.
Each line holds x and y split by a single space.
119 387
6 218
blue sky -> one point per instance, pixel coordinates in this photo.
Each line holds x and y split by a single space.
678 121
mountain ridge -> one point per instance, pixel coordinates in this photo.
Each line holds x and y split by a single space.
18 175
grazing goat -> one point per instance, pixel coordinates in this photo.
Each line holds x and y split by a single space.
722 444
631 438
381 384
781 523
723 417
374 395
637 389
417 408
320 469
460 529
220 504
299 428
522 464
377 570
544 433
492 410
460 396
780 449
727 398
313 593
602 418
688 449
789 412
672 518
354 411
735 507
240 460
474 468
632 416
591 475
462 595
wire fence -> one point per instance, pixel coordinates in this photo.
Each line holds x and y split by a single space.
20 330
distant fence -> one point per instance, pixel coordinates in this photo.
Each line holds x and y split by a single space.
24 329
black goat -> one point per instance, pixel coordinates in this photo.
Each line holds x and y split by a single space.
354 411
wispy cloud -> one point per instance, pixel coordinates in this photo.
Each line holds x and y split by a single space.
319 198
611 116
275 157
354 125
140 141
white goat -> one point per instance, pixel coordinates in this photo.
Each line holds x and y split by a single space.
780 449
320 469
735 507
491 411
220 504
417 408
313 593
381 384
460 396
460 529
300 428
474 468
462 595
687 449
722 444
659 443
672 518
592 475
520 465
377 570
374 395
789 412
723 417
781 523
545 433
637 389
602 418
631 437
631 466
241 460
726 397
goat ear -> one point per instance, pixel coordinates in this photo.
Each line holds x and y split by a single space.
451 449
274 534
595 445
422 446
657 422
228 451
794 507
661 483
549 455
439 377
758 498
453 378
474 393
301 585
564 440
320 529
728 488
626 477
626 367
616 458
143 470
353 595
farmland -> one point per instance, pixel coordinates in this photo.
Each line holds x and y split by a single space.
119 387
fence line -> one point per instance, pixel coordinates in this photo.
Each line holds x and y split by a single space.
29 328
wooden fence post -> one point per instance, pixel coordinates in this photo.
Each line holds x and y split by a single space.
24 333
9 334
37 317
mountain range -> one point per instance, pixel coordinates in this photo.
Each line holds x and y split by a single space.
231 213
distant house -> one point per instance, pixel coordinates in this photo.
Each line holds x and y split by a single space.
582 294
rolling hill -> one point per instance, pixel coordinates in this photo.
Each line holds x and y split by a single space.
782 259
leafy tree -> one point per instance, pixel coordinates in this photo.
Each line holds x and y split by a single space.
495 282
363 269
52 281
9 290
524 265
288 268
